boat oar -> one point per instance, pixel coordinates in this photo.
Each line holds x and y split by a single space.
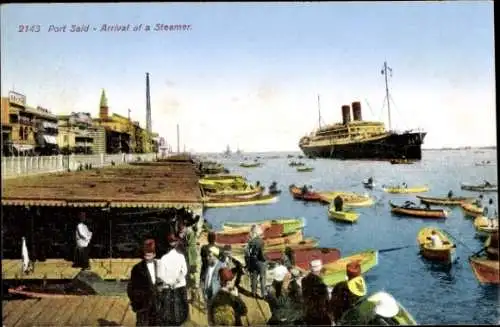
459 241
395 249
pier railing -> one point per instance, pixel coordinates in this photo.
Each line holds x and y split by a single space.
25 166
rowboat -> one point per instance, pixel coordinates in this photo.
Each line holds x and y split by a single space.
305 169
445 254
368 184
291 238
272 231
242 194
289 224
444 201
411 210
336 272
483 227
479 188
298 195
216 180
405 190
401 161
363 313
303 257
308 243
344 216
222 203
486 271
350 199
250 164
472 210
296 164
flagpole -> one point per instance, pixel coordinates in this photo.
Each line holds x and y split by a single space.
384 72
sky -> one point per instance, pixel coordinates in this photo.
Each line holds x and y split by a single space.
248 75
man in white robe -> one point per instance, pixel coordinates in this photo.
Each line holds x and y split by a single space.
83 237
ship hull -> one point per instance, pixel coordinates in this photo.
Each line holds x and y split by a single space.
406 145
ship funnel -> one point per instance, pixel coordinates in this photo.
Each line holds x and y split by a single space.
356 111
346 114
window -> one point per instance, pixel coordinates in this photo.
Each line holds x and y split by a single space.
66 139
21 133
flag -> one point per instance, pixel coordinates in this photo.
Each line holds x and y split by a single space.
24 252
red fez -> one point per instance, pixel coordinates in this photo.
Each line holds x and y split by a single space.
171 238
353 269
149 246
225 275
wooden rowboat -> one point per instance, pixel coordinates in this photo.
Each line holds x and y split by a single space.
406 190
343 216
303 257
309 196
444 200
472 210
350 199
250 164
272 231
480 187
483 227
291 238
305 169
336 272
413 211
222 203
445 254
289 224
486 271
242 194
307 243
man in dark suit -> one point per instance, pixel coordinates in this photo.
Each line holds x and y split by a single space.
142 290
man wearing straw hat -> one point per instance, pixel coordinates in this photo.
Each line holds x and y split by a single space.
211 281
142 290
347 293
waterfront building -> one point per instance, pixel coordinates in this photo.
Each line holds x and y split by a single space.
77 134
28 130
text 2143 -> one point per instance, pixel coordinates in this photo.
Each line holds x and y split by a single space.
29 28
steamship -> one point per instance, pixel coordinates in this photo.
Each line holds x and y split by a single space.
361 139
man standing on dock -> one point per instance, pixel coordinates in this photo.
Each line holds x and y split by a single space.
256 261
141 289
83 237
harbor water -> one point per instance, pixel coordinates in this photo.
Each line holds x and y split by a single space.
433 294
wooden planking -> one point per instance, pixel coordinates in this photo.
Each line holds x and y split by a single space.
17 312
70 308
83 311
57 307
30 317
117 311
99 312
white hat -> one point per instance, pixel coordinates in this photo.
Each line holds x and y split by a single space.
214 250
387 306
316 265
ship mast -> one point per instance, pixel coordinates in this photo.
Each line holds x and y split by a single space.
319 114
386 69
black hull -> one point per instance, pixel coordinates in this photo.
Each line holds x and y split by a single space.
394 146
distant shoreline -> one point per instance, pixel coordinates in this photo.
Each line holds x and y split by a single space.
462 148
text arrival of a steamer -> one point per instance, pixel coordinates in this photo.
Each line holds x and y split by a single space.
360 139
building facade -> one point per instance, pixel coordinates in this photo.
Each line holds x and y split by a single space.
77 133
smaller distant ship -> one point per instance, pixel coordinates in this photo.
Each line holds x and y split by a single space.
227 153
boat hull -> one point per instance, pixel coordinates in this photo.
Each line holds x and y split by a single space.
308 243
472 210
264 199
305 170
350 199
292 238
289 224
486 271
336 272
392 146
444 201
343 216
419 213
479 188
309 196
483 229
404 190
446 254
303 257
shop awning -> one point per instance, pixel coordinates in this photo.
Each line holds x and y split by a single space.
50 139
23 147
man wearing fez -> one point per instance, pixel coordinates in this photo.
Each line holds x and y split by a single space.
83 237
142 290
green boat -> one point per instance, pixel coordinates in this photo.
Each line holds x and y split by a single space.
290 225
364 312
305 169
335 272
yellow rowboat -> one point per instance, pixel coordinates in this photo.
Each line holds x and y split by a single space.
335 272
289 224
305 169
344 216
445 254
350 199
242 194
483 227
443 200
234 202
472 210
405 190
222 179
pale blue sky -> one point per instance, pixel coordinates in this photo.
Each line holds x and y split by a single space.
248 74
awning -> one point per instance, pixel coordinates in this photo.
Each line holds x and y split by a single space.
23 147
50 139
47 124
